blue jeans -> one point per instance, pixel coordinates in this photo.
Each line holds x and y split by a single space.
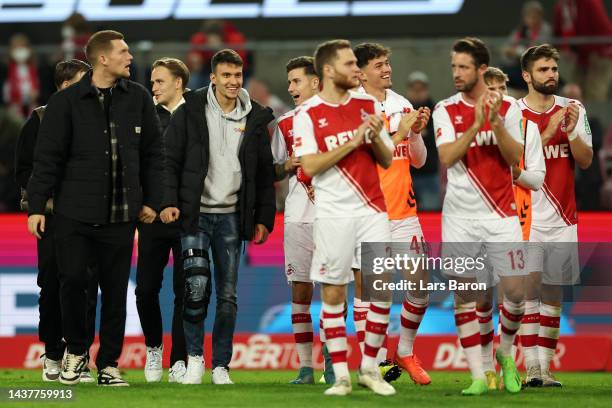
218 232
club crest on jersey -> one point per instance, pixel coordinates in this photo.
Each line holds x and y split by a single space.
323 122
458 120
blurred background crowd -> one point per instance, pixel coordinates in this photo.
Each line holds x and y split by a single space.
580 29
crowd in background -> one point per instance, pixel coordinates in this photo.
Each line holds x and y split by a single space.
26 81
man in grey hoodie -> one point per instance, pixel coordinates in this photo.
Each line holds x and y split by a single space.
220 181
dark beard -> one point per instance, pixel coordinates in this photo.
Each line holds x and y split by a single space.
545 89
468 86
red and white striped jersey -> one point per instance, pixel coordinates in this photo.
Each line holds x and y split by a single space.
351 188
554 205
480 184
298 206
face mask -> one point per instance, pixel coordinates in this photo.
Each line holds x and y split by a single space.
21 54
67 32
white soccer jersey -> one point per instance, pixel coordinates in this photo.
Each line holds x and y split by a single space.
298 205
351 188
394 107
554 205
480 184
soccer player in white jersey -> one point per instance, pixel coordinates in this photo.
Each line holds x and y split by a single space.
303 83
566 138
478 135
404 124
339 138
528 176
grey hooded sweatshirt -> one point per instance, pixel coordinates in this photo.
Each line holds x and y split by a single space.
226 130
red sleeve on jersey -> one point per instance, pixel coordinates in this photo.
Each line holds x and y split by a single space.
302 177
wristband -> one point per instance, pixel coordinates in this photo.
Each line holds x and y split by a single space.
572 136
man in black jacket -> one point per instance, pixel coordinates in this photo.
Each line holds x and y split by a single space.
99 153
50 324
169 77
220 180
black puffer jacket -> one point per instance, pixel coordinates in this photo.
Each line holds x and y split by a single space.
187 152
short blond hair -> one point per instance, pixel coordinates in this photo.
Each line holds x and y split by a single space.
177 68
495 74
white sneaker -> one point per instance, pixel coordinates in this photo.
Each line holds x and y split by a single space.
153 367
341 387
86 376
220 376
73 365
177 372
548 380
51 369
372 379
534 377
195 370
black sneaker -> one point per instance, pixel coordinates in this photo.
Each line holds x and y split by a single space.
73 366
111 377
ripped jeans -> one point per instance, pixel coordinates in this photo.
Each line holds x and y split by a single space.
219 233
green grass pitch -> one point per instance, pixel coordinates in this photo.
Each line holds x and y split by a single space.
270 389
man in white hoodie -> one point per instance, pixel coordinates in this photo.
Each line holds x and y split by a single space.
220 182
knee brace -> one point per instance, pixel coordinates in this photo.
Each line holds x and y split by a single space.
197 286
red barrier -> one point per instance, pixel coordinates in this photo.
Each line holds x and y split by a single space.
262 351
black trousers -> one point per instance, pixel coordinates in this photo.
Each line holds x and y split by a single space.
155 241
50 324
109 247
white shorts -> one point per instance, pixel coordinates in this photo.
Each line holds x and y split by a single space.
554 252
338 244
407 230
298 245
495 244
407 233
